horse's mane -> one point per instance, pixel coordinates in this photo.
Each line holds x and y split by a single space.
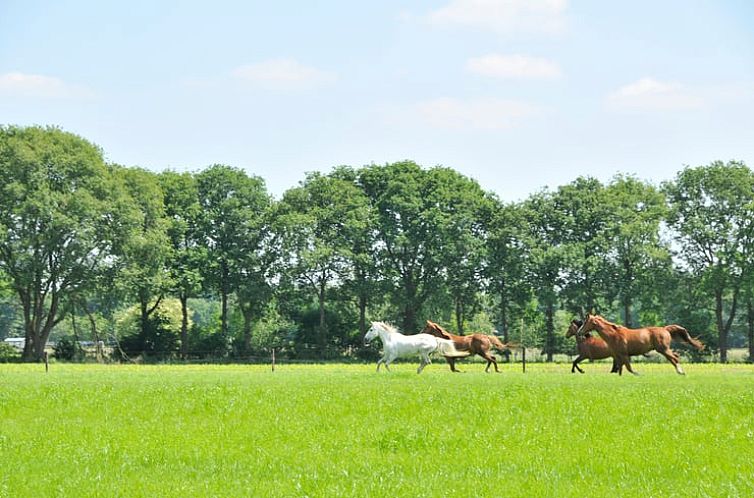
392 329
439 327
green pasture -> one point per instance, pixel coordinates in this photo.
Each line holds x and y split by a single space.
344 430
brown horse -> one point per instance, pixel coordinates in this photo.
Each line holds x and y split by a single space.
589 347
479 344
624 342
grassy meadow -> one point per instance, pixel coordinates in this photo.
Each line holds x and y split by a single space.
344 430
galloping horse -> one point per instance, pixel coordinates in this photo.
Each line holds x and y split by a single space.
589 347
624 342
479 344
396 344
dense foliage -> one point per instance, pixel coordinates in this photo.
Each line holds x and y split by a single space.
84 243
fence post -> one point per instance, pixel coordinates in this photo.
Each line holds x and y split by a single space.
523 347
273 359
47 364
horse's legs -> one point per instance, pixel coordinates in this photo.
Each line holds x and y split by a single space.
673 359
576 362
490 361
452 362
627 361
381 361
425 361
615 367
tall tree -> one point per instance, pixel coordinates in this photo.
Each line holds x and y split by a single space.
324 218
712 215
414 209
182 211
506 260
231 204
584 215
544 269
635 251
146 249
57 201
460 206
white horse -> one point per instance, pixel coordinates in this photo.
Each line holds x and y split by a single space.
396 344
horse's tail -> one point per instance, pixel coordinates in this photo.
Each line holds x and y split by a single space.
678 332
447 348
498 344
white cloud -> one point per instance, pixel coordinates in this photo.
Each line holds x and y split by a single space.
504 16
477 114
513 66
283 73
648 94
17 84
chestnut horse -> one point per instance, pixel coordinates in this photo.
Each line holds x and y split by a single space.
589 347
479 344
624 342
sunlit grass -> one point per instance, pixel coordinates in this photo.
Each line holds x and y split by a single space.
337 430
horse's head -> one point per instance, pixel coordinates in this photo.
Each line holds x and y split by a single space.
436 330
573 329
371 333
590 323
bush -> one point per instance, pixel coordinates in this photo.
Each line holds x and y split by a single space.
67 349
8 353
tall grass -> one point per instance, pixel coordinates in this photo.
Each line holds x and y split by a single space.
337 430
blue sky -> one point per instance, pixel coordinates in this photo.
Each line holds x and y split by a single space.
518 94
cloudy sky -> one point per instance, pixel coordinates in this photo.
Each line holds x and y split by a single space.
519 94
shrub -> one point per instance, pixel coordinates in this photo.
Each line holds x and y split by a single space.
8 353
67 349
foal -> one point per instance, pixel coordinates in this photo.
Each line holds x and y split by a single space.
624 342
479 344
589 347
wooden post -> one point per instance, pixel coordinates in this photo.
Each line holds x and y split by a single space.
47 364
273 359
523 347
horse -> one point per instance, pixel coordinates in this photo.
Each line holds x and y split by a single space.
589 347
479 344
396 345
624 342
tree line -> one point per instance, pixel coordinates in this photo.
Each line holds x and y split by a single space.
209 264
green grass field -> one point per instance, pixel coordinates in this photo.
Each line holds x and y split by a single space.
336 430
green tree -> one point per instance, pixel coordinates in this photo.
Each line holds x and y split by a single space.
188 257
583 218
146 248
232 203
324 219
414 210
637 257
544 269
57 222
507 255
711 213
459 206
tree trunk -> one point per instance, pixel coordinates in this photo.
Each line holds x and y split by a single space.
550 328
627 294
409 319
504 325
362 315
750 320
322 323
95 334
722 333
409 307
224 300
248 316
459 316
184 326
627 311
144 318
